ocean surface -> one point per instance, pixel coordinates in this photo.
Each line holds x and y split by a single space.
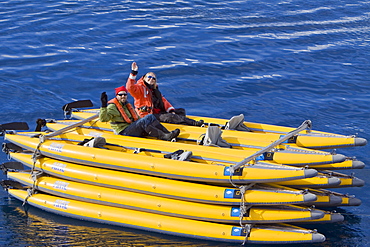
278 62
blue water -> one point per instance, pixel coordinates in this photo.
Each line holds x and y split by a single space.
278 62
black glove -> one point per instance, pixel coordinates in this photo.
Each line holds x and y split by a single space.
104 99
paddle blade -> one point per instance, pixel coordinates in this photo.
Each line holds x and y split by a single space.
77 104
14 165
11 147
10 184
14 126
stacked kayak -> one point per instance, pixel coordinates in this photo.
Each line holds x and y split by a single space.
270 177
283 154
259 132
307 138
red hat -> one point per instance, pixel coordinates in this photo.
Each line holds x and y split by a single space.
119 89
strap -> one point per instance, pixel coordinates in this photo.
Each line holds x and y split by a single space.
95 142
179 155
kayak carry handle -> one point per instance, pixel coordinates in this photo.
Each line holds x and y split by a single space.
306 124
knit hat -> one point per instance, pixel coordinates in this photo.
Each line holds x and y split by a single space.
119 89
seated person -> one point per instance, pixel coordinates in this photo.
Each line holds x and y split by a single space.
149 100
125 121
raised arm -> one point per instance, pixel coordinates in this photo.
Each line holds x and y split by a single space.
131 85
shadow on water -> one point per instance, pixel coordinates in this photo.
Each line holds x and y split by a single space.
35 227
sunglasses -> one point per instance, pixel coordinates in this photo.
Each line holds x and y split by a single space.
151 77
122 94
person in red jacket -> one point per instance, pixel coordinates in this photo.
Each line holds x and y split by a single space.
149 100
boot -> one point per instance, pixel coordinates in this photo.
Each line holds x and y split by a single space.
159 126
175 133
199 123
155 132
192 122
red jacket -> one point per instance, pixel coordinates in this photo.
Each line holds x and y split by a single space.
143 97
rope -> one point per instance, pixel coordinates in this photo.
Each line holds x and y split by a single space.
232 173
243 210
34 176
247 228
36 154
29 194
231 180
200 139
6 151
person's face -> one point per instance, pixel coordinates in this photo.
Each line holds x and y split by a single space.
122 96
150 78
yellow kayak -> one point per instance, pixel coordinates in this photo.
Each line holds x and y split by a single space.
345 180
307 138
319 181
162 205
325 179
282 155
261 132
329 217
169 188
158 166
255 234
327 198
349 163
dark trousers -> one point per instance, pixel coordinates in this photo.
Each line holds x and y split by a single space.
138 127
178 117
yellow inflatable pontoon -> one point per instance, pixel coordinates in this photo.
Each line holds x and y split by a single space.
254 234
162 205
169 168
260 132
282 154
169 188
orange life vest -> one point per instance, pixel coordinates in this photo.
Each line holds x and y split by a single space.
122 111
143 97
